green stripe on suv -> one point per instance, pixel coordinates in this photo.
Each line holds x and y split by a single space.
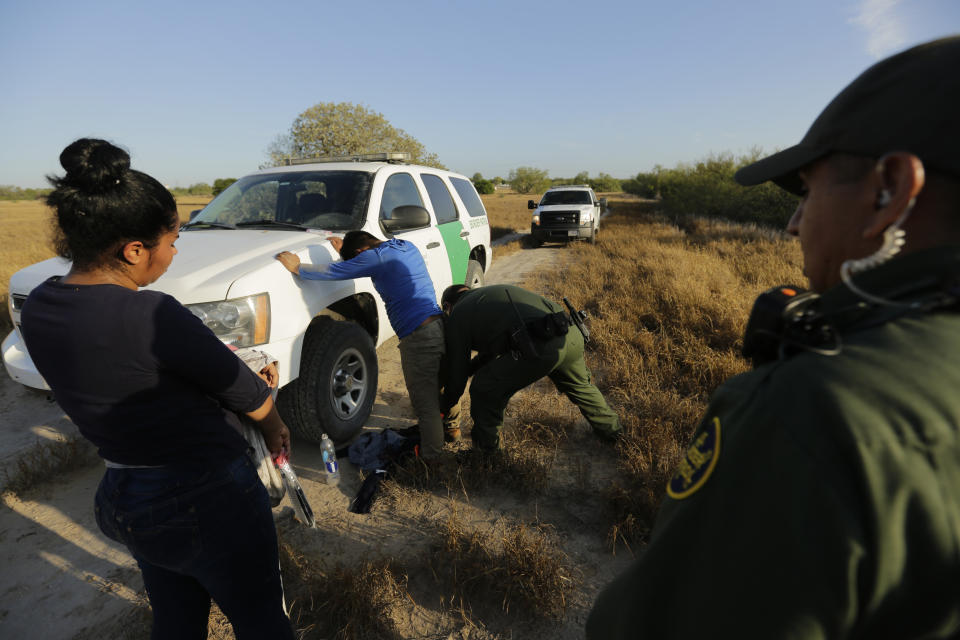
458 250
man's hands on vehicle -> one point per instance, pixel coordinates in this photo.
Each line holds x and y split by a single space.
290 261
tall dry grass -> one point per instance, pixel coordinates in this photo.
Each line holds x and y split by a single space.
507 212
25 238
668 304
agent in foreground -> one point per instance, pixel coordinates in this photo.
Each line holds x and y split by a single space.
821 495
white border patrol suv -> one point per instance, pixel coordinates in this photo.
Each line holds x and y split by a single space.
568 212
323 333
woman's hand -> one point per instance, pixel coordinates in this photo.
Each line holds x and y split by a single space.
290 261
270 375
276 435
337 243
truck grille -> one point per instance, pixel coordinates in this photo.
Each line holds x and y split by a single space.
560 217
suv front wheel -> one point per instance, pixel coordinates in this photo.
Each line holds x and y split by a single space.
337 383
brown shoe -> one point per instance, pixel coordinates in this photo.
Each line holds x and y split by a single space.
451 434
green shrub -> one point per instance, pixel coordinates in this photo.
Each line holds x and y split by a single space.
220 184
606 183
484 186
645 185
706 188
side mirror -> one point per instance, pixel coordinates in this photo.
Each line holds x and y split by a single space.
603 202
405 218
531 204
193 214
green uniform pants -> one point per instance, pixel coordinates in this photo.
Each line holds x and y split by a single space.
561 359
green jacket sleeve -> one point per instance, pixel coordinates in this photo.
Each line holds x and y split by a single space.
765 546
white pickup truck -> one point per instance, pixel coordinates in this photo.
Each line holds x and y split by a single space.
564 213
324 334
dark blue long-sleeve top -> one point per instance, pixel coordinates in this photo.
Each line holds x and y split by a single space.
140 376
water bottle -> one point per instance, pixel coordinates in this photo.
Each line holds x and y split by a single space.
330 460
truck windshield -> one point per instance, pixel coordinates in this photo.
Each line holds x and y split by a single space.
332 200
566 197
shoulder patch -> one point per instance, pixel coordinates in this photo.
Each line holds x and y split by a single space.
698 463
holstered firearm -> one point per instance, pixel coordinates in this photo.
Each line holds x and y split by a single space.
520 343
578 318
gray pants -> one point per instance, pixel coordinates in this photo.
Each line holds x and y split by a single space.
420 356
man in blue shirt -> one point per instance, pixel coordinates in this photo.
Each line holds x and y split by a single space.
400 276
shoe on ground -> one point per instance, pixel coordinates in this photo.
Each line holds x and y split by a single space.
611 437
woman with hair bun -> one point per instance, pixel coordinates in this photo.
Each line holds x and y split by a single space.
156 392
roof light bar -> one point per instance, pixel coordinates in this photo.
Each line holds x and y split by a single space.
392 156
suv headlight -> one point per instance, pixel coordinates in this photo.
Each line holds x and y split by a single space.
586 217
241 322
536 219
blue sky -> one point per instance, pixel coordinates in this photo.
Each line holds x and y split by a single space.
198 90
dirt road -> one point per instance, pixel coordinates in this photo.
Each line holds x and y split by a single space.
62 579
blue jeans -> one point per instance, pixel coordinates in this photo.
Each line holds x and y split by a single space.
197 535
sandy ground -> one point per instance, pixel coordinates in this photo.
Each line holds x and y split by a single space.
62 579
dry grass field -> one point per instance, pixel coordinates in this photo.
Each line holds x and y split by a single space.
24 239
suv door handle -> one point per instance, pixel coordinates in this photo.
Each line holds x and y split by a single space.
464 233
433 245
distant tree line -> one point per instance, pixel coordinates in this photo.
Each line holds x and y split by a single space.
703 188
9 192
204 189
533 180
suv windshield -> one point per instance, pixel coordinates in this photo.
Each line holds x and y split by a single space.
333 200
566 197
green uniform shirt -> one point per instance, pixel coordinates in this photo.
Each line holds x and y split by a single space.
821 496
481 321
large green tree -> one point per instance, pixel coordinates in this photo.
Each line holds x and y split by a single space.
344 128
528 180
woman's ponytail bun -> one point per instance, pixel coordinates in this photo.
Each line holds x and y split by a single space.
94 166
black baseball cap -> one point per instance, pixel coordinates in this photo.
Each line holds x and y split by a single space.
907 102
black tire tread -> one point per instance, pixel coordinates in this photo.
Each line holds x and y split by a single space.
299 403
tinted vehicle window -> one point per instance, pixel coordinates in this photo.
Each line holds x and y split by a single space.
335 200
440 198
566 197
469 196
399 191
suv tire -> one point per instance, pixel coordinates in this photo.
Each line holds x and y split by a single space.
474 277
337 383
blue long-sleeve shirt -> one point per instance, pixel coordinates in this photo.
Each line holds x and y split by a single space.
399 275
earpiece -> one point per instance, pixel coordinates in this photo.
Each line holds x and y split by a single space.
883 199
893 240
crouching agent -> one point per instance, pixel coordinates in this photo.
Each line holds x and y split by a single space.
821 495
487 320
